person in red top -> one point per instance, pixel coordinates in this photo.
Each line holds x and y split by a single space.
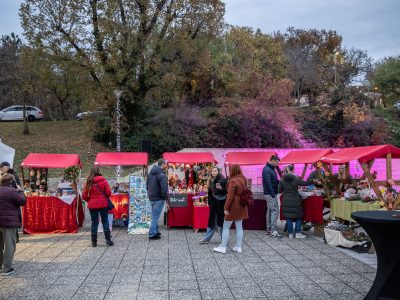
95 192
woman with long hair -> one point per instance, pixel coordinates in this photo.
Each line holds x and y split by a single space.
96 193
216 201
233 210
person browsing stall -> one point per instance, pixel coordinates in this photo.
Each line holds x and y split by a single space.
233 210
157 189
292 203
96 193
11 200
270 187
216 202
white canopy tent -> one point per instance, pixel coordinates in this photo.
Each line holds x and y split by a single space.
6 153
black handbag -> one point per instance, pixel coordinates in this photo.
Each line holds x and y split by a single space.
110 204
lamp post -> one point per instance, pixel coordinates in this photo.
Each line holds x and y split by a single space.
118 94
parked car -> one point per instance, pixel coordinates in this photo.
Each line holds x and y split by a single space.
397 104
89 114
16 113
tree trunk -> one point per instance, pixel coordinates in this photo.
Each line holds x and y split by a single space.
26 123
62 109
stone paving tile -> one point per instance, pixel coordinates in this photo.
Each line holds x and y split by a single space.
276 291
121 296
183 285
352 296
220 293
247 292
153 295
185 294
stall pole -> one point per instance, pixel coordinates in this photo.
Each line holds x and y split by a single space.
372 182
347 170
118 94
304 171
371 163
23 177
389 166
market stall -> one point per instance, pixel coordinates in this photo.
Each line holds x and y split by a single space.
120 192
365 192
313 197
187 178
258 211
51 209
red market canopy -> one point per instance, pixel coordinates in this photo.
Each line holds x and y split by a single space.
189 157
304 156
121 159
362 154
248 158
51 161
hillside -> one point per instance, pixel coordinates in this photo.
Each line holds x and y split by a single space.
54 137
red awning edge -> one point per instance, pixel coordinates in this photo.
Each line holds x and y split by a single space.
189 157
121 159
304 156
51 161
248 158
362 154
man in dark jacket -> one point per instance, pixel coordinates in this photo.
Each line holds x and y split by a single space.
270 186
10 202
157 189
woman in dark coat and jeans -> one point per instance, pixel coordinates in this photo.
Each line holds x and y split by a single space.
291 205
95 192
216 202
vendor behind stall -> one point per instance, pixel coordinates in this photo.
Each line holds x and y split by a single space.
345 181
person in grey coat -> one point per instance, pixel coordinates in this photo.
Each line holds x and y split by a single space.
157 189
292 203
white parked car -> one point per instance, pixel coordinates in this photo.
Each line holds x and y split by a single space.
16 113
397 104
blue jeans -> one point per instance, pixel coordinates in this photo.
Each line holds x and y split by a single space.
210 233
94 215
239 233
156 210
298 223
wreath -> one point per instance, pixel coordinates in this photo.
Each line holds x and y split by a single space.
72 173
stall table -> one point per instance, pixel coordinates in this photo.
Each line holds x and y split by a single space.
383 227
51 215
181 216
200 217
343 209
313 207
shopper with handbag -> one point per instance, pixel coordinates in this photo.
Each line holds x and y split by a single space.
216 202
235 209
97 194
292 203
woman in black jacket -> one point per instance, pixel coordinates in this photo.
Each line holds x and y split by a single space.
216 202
291 204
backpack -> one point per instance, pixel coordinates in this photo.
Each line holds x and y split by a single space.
246 198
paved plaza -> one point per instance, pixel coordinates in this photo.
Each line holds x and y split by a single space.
178 267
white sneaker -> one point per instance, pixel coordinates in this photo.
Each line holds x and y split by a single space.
276 234
237 249
220 249
300 235
291 236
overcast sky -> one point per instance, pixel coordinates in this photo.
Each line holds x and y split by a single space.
370 25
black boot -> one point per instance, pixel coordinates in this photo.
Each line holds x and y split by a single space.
94 239
107 234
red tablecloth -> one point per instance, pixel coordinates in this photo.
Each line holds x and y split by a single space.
312 209
257 216
200 217
51 215
181 216
121 203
